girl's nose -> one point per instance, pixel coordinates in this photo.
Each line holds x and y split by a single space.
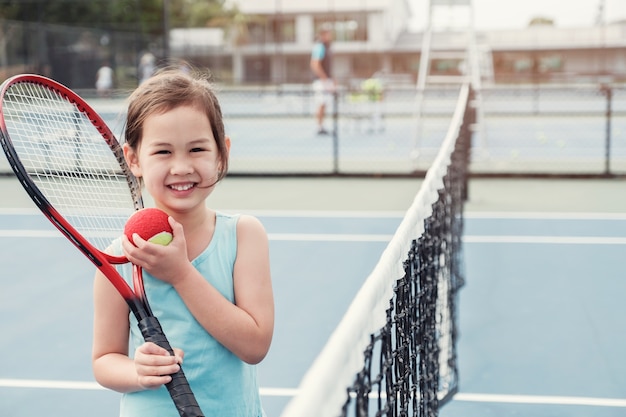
180 165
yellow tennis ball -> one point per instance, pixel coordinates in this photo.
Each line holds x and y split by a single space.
163 238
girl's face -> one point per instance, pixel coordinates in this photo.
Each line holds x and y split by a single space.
178 159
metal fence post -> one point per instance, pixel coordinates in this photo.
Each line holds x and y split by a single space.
608 91
335 132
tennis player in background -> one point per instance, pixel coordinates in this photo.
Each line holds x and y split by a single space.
210 287
323 83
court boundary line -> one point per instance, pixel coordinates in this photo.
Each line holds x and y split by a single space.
328 237
546 240
94 386
28 211
380 238
522 215
541 399
290 237
290 392
544 215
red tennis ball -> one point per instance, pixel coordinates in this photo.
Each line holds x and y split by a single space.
151 224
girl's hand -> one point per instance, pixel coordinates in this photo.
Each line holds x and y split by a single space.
167 263
154 365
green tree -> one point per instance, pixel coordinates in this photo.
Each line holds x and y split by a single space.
194 13
114 14
235 23
134 25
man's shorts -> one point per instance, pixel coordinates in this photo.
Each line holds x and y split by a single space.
323 92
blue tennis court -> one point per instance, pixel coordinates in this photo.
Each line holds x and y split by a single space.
541 313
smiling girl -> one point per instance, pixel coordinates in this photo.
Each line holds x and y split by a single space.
210 287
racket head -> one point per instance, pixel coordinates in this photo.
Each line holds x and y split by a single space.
70 164
66 157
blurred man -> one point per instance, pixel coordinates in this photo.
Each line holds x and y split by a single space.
104 80
323 84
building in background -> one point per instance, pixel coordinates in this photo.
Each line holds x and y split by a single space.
375 36
279 38
269 42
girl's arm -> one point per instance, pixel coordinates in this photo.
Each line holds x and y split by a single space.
246 327
112 367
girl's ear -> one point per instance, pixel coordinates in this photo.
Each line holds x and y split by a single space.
132 160
227 143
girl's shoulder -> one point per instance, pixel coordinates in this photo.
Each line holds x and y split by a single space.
244 224
249 222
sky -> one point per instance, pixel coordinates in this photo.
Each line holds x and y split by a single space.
516 14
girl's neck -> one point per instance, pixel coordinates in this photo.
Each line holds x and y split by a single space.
199 226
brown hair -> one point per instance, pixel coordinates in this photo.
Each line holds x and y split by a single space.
170 88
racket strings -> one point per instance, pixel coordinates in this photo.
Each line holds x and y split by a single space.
65 154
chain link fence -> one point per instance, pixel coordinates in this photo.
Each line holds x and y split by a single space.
579 130
521 130
70 55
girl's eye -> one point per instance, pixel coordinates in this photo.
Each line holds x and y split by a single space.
162 152
197 150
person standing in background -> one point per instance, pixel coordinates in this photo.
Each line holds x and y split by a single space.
146 67
323 84
373 88
104 80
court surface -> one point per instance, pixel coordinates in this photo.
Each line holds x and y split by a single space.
541 315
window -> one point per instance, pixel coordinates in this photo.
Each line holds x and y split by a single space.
279 29
298 70
365 65
346 28
284 29
257 33
552 63
447 66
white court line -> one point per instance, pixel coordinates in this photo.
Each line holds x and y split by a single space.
329 237
290 392
360 214
49 384
8 211
278 392
30 233
558 240
388 214
321 237
544 215
92 385
541 399
302 237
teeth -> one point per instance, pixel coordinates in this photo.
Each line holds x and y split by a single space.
181 187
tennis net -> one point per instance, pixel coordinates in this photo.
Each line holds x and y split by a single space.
394 351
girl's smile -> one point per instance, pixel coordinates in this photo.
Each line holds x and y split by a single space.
181 187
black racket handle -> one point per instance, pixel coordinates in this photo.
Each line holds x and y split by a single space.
178 387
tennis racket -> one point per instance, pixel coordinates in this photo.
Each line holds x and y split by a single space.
73 168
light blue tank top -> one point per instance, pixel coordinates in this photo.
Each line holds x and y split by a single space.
223 384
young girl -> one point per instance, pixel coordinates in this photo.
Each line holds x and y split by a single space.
210 287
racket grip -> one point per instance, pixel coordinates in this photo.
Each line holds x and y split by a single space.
178 387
